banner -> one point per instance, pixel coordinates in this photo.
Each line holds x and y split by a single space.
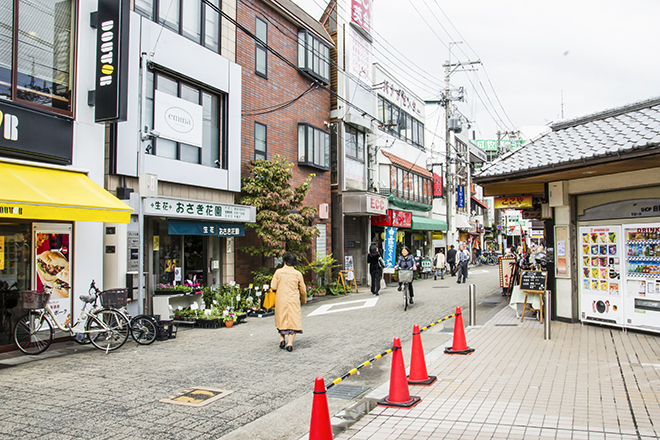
461 196
390 250
437 186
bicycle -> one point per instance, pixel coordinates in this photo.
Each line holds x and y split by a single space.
107 329
405 278
144 328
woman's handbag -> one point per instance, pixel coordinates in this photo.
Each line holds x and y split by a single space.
269 299
381 263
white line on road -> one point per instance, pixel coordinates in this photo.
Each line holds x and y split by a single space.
471 271
325 309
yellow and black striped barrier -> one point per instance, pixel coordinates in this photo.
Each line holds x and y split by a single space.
386 352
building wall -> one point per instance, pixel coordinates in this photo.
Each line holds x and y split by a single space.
284 83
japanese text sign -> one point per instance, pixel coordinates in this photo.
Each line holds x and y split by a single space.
191 209
361 14
513 202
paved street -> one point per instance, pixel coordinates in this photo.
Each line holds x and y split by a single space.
73 391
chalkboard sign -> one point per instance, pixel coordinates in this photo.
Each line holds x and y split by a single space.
533 281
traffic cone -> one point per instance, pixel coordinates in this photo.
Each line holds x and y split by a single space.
460 345
320 427
418 374
399 396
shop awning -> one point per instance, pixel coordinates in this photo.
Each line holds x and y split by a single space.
41 193
460 222
428 224
479 202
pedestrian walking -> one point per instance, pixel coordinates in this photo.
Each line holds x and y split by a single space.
374 260
463 261
290 291
451 259
439 265
407 262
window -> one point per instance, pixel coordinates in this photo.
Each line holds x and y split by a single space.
400 124
259 141
354 142
410 186
313 56
313 147
43 45
260 54
212 153
194 19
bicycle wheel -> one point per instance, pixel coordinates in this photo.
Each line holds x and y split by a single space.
108 329
33 333
143 329
405 296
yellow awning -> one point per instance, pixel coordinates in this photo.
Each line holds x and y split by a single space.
40 193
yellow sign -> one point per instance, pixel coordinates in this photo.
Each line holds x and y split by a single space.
513 202
437 235
2 253
156 243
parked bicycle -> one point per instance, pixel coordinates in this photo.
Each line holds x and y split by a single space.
405 278
107 329
487 258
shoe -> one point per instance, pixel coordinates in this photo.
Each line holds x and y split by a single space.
442 278
435 278
411 301
282 344
289 348
376 293
458 282
399 288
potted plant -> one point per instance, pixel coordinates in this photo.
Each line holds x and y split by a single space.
229 317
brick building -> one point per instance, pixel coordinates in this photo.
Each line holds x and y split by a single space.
284 55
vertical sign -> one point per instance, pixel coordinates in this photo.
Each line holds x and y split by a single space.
112 60
2 253
361 15
437 186
52 257
390 250
461 196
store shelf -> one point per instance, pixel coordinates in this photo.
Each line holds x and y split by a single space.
642 258
643 275
642 241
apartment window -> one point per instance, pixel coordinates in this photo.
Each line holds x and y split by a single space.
194 19
260 54
313 56
259 141
400 124
410 186
43 44
313 147
212 152
354 142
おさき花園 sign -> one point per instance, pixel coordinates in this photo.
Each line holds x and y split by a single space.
194 209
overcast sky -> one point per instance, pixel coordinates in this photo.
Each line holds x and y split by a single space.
542 57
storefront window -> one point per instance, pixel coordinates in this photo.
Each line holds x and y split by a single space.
15 273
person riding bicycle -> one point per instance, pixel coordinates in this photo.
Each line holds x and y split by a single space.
406 262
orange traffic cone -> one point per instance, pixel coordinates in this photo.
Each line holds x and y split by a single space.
399 396
460 345
320 427
418 373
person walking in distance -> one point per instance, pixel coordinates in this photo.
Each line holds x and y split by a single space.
290 291
463 256
451 259
439 265
375 269
406 262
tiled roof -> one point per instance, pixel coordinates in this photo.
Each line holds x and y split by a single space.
396 160
612 133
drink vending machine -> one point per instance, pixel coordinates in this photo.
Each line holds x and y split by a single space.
642 277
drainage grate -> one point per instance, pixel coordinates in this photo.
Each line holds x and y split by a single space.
506 325
441 287
347 392
197 396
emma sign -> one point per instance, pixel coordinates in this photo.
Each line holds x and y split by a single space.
177 119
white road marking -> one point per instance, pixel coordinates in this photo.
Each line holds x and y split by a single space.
328 308
473 271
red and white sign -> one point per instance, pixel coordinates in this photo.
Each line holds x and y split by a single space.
437 185
361 13
397 219
376 205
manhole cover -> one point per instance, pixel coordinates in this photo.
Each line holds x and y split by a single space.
196 396
347 392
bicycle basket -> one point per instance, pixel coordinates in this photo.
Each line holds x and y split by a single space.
35 299
405 276
114 297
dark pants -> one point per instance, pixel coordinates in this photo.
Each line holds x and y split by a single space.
452 268
375 281
462 271
410 288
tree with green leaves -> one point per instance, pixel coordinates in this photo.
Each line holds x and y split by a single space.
283 223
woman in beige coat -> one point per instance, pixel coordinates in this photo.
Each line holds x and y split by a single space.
290 291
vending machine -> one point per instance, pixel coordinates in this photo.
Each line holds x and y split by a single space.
601 298
642 276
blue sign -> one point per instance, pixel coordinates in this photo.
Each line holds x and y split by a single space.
390 248
182 227
461 197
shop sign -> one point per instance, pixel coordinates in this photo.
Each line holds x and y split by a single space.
437 186
397 219
177 119
180 227
112 61
2 253
10 211
192 209
624 209
376 205
361 13
461 196
531 214
390 250
30 134
513 202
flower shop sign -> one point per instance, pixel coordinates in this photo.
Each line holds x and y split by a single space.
194 209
